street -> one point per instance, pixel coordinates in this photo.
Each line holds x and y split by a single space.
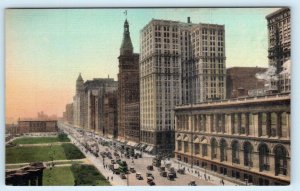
139 164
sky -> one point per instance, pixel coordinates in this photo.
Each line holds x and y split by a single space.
46 49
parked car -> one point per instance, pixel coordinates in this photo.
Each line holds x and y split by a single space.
149 167
132 170
171 176
150 181
149 174
163 174
162 169
139 176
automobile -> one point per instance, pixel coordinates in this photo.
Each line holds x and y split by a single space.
132 170
139 176
163 174
149 174
181 171
171 176
150 181
162 169
149 167
123 176
192 183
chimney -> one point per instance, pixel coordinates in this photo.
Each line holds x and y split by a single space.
189 19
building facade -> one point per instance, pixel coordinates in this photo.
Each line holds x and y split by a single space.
241 80
279 36
69 114
78 102
111 114
37 126
88 105
179 63
128 91
246 139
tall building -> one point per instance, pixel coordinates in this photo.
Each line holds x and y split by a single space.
279 36
128 91
245 140
179 63
111 115
93 101
78 102
88 105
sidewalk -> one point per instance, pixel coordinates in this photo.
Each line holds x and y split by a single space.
213 178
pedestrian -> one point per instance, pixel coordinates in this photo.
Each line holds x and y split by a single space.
222 181
111 178
209 178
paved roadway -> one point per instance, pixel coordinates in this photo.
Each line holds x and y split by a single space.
140 165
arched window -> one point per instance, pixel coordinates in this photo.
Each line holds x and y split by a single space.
248 149
223 149
214 147
263 157
280 160
179 145
235 152
204 146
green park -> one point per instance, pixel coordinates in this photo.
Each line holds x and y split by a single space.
65 163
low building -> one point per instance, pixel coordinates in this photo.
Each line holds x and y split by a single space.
241 80
245 139
37 126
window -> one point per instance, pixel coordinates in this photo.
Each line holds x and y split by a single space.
263 157
280 160
223 149
248 149
235 152
214 146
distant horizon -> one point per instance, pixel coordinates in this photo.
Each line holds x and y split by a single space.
46 49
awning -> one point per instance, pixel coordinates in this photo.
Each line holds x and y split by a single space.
131 143
149 148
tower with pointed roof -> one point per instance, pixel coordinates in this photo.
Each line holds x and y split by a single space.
128 91
78 102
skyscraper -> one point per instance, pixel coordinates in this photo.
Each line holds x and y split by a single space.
179 63
128 91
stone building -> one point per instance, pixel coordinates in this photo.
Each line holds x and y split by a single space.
128 91
78 102
179 63
37 126
69 117
240 80
245 140
88 102
93 110
111 115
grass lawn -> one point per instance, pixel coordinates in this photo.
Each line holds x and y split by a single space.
42 153
58 176
88 175
38 140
